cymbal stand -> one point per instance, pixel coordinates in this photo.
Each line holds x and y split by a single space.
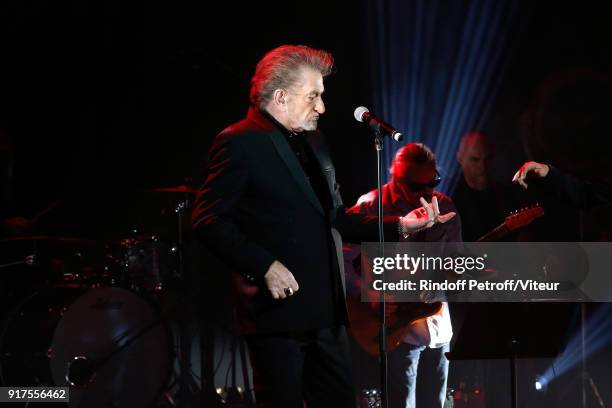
184 337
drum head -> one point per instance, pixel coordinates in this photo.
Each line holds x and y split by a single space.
113 346
26 336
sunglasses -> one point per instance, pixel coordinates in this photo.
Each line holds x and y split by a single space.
422 186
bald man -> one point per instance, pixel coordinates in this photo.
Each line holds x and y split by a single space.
482 203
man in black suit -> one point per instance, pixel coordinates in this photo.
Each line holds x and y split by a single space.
270 208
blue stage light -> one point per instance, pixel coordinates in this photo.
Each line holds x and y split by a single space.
436 69
541 383
598 335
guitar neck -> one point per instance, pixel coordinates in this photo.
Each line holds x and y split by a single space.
495 234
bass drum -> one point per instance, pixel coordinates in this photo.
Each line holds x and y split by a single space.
109 345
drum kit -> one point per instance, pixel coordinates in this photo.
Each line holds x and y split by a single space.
91 315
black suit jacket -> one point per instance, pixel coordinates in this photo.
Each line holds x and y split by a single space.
257 206
580 193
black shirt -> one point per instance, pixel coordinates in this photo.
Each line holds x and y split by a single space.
482 211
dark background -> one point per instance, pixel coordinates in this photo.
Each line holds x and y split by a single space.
103 100
106 98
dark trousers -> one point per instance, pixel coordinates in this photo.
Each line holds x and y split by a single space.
313 366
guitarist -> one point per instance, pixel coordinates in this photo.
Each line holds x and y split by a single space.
481 201
413 178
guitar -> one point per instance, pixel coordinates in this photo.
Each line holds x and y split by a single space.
514 221
365 323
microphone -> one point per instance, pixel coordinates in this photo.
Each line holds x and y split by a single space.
362 114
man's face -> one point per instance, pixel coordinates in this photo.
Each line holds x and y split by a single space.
475 162
413 182
304 102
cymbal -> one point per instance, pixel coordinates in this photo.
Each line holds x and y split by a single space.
173 189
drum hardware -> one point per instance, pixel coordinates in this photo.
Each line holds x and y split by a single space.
29 260
60 341
93 340
64 260
183 193
183 323
80 372
140 263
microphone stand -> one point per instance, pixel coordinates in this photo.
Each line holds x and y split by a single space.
379 144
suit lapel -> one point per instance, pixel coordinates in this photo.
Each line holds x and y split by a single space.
322 156
295 169
287 155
